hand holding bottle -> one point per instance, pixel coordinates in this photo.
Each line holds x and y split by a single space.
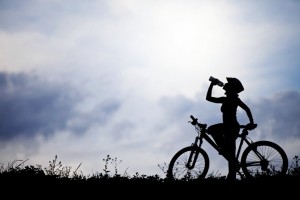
216 81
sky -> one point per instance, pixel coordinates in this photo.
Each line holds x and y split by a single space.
81 80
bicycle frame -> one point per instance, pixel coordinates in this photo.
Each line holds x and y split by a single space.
203 134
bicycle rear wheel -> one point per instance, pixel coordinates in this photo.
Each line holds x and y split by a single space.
264 158
189 163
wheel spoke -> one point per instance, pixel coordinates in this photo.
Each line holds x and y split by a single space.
264 158
181 169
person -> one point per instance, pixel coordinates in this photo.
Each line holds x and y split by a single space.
226 133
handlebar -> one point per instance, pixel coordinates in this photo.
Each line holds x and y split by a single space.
195 122
193 118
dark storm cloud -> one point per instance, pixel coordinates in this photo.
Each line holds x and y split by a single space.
280 114
29 105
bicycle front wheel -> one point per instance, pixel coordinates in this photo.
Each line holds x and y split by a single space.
189 163
264 158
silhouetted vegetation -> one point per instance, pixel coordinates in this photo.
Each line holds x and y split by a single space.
18 174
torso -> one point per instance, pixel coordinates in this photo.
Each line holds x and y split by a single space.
229 109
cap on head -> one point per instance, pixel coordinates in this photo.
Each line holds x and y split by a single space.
235 84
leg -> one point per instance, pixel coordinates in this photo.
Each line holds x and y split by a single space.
217 133
230 148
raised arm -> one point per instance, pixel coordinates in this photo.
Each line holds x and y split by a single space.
210 98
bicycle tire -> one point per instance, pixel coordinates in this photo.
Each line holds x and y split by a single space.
274 162
178 169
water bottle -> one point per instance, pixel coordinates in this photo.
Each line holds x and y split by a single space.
219 83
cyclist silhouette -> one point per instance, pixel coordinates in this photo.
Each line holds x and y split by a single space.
225 134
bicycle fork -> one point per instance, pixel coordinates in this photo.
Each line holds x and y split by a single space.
194 153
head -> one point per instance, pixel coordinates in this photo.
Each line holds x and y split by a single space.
233 86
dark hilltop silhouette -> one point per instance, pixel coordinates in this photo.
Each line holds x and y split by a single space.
20 180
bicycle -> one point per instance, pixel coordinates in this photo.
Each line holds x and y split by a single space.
257 159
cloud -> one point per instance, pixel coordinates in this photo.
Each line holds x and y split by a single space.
279 116
31 106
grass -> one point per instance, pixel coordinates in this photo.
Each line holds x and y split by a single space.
18 175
